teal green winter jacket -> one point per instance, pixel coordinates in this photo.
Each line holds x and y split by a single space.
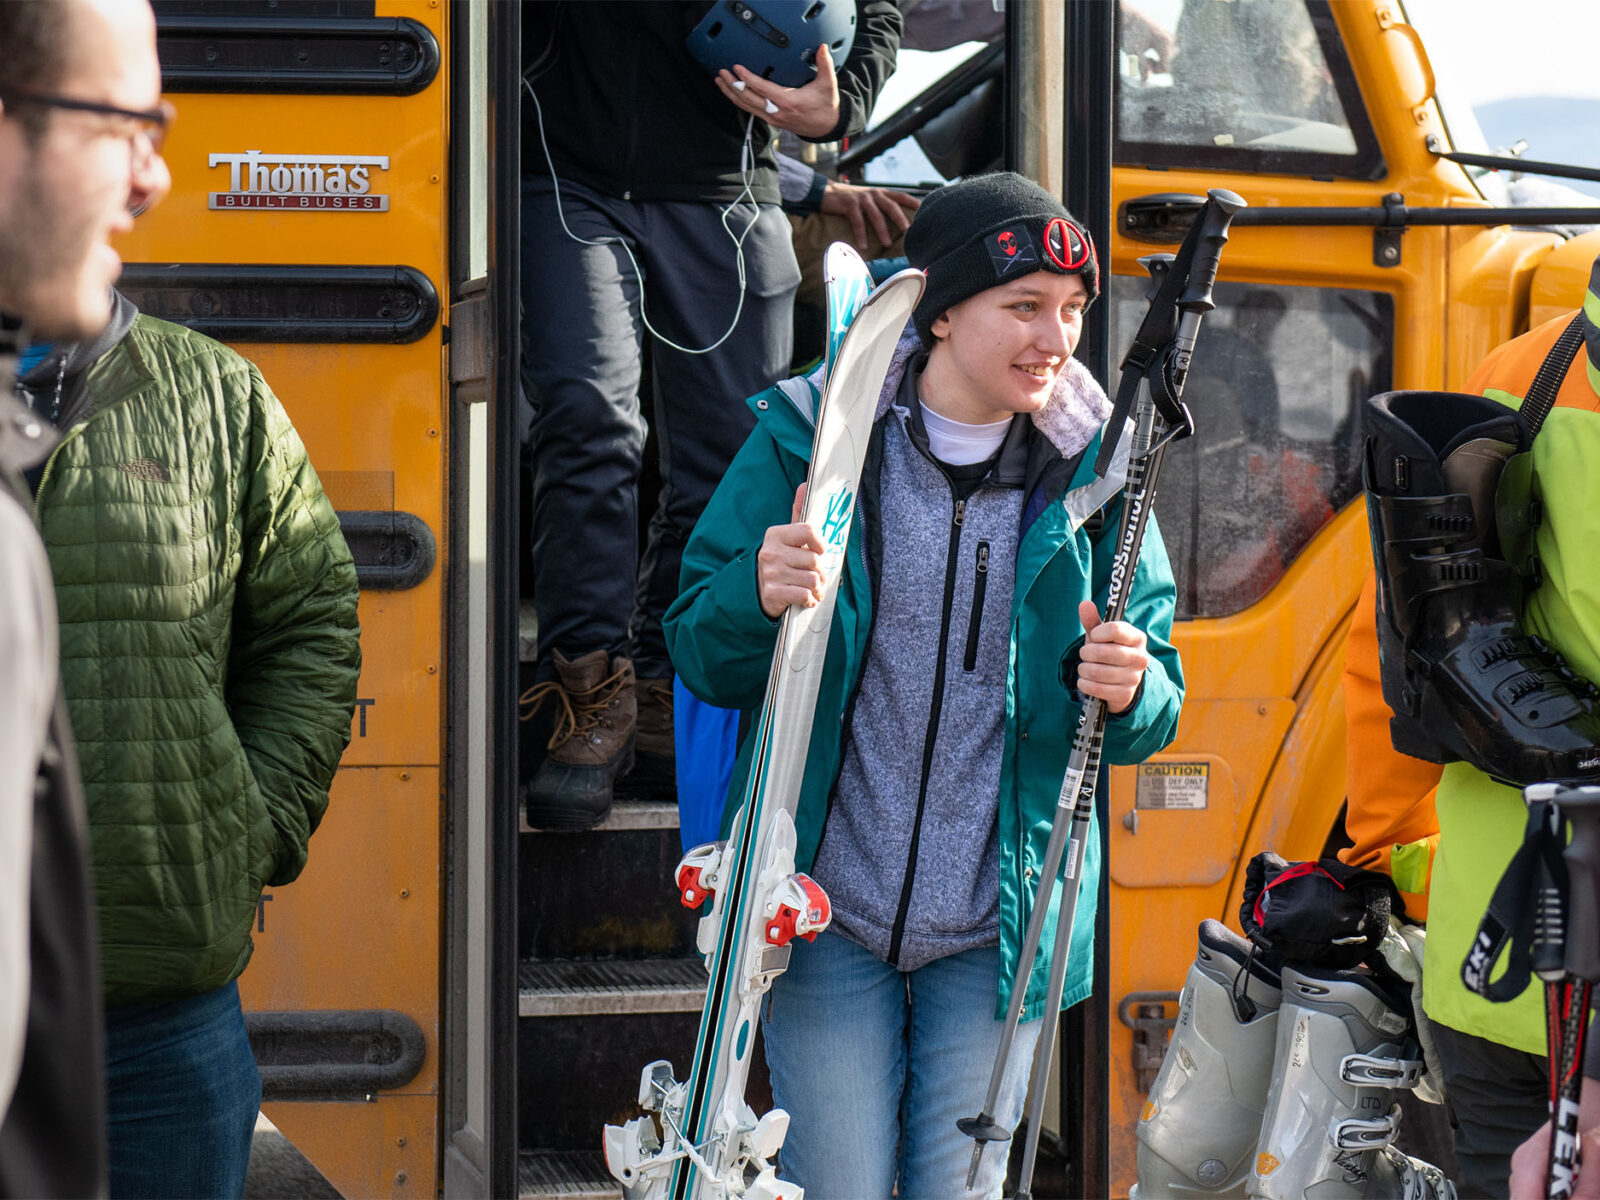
721 645
209 651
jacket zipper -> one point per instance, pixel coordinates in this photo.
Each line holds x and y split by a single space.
899 932
979 585
50 462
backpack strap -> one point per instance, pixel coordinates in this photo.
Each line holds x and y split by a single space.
1541 397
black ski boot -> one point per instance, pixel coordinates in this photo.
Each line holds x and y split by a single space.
1464 680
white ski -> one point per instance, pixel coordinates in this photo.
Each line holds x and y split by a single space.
709 1143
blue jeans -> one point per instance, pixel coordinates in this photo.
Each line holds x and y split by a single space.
875 1066
184 1094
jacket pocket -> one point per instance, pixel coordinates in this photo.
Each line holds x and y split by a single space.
980 584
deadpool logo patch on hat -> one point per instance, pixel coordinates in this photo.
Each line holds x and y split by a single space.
1011 252
1066 244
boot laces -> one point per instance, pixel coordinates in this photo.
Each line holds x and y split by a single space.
661 690
582 712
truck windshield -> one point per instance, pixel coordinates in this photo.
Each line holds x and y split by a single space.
1240 85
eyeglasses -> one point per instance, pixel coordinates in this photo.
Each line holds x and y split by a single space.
153 123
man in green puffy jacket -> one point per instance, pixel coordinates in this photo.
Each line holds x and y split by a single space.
209 655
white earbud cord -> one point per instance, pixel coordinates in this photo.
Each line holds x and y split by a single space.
747 176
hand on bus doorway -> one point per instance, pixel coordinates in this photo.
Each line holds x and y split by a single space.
811 111
789 565
1112 660
888 211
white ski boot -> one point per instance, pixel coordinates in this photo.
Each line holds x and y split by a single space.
1344 1045
1197 1135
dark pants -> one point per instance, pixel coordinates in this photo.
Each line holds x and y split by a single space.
583 355
184 1095
1497 1096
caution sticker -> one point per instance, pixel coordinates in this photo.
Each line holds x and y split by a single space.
1173 785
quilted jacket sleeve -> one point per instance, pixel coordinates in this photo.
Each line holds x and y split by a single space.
296 650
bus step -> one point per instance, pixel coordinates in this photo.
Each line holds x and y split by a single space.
565 1173
572 989
625 814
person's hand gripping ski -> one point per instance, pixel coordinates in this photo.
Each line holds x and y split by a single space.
790 566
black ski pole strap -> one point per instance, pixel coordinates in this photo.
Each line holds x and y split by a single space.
1541 397
1156 333
1509 926
1117 422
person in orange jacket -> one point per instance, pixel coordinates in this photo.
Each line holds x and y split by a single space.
1445 834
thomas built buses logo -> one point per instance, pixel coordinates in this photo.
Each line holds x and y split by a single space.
300 182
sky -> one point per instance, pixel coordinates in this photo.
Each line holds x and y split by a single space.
1548 50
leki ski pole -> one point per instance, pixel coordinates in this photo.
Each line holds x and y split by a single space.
1151 392
1566 955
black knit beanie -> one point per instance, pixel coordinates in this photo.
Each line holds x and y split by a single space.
990 229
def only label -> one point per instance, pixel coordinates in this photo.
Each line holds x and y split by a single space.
1172 785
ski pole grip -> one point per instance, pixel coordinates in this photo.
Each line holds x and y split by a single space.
1581 807
1215 217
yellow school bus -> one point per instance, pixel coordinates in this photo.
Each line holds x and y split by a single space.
450 1002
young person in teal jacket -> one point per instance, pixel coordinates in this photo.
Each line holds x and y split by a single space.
965 638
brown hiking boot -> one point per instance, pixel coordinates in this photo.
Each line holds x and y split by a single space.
656 750
591 746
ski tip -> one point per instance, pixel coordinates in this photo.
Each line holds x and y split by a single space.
841 260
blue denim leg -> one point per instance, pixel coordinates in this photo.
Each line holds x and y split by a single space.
953 1040
184 1094
875 1067
835 1034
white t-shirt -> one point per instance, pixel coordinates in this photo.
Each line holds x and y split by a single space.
960 444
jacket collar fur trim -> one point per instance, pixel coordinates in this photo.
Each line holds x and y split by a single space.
1077 408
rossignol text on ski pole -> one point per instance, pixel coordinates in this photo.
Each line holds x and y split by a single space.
1150 398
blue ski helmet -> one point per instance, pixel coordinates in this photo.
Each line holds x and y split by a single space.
775 39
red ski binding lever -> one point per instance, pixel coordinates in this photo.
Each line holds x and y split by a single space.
802 910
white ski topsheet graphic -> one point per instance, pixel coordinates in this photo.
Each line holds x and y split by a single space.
709 1135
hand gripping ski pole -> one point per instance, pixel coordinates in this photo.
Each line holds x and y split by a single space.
704 1141
1151 396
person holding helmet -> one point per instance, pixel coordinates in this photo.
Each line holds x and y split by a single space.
969 612
651 219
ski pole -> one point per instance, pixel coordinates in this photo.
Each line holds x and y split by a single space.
1575 933
1153 373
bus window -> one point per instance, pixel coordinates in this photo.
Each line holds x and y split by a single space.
1274 386
1240 85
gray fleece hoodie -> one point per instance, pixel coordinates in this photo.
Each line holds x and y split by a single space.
908 856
